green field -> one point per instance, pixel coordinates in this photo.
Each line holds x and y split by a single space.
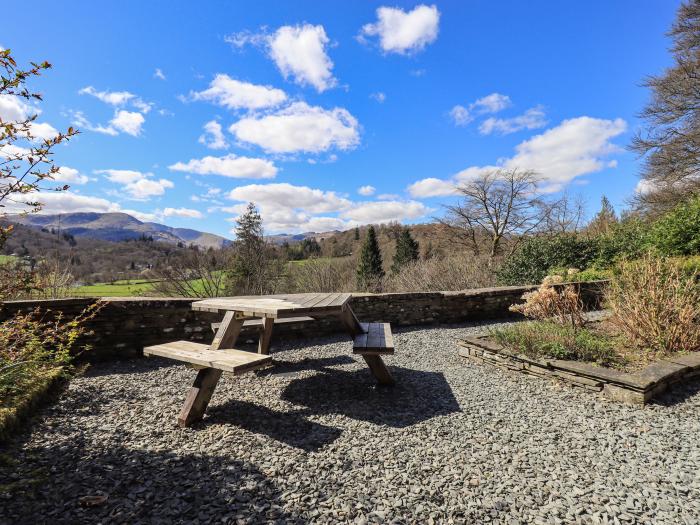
126 288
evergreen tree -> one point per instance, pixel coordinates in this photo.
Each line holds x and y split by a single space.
357 233
370 270
604 219
406 250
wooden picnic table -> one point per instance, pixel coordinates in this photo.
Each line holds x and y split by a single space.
371 340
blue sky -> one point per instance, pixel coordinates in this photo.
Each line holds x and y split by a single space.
333 114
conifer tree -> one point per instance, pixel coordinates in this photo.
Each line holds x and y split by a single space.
370 268
604 219
406 250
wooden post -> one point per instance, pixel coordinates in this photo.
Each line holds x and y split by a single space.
379 370
265 335
204 384
347 316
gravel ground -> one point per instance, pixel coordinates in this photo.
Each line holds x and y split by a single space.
313 440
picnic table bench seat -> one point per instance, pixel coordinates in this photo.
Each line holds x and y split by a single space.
375 339
228 360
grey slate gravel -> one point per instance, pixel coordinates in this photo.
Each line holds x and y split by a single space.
313 440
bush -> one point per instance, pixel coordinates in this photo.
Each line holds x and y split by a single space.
322 275
561 304
628 239
656 305
532 260
32 346
537 339
678 232
449 273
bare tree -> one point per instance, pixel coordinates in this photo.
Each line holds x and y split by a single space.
196 274
566 214
671 140
497 206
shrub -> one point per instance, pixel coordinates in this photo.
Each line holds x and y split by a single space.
628 239
538 339
530 263
656 305
561 304
322 275
678 232
437 273
31 346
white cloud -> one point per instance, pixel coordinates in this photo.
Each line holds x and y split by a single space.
139 186
187 213
213 137
300 127
533 118
158 73
129 122
492 103
14 109
378 96
70 175
289 208
117 98
300 52
366 190
404 32
235 94
63 202
575 147
385 211
229 165
246 37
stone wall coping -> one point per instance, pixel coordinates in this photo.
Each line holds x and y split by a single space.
646 382
474 292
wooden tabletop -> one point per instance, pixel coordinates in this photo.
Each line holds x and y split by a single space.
276 305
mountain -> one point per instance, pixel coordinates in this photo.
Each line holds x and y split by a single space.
291 238
117 227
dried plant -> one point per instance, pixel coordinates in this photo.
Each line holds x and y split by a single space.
656 305
448 273
549 302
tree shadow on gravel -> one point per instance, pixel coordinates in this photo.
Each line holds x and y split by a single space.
45 485
291 428
416 397
678 393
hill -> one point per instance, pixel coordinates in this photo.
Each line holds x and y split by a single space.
117 227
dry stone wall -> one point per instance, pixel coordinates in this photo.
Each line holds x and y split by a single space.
125 325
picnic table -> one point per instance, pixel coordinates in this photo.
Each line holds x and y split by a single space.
371 340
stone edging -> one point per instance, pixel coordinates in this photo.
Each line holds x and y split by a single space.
638 388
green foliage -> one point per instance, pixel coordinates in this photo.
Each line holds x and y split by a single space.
537 339
678 232
370 268
628 239
589 274
532 260
302 250
406 250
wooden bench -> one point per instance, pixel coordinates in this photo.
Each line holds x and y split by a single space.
227 360
376 339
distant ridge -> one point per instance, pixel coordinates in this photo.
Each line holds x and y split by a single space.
118 227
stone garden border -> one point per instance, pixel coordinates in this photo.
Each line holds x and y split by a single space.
638 388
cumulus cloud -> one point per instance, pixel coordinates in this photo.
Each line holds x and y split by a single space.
235 94
366 190
300 53
403 32
15 109
70 176
187 213
300 128
289 208
492 103
574 148
62 202
128 122
533 118
213 137
138 185
230 165
117 98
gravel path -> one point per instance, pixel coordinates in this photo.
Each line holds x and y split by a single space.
312 440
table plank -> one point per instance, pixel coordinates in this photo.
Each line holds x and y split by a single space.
274 305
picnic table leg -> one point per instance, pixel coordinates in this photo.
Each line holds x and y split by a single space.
204 384
374 362
265 335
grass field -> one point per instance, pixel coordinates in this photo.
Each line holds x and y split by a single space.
125 288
